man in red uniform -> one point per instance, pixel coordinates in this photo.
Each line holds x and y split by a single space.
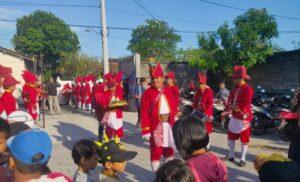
82 92
112 117
88 93
8 100
171 84
240 100
30 94
203 101
157 118
78 91
4 71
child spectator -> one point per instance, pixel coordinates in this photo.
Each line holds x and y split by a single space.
174 171
5 174
85 155
30 152
191 140
114 157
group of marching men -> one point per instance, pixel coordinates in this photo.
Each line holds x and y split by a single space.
160 110
31 93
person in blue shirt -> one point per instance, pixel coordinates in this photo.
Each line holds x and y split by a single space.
138 92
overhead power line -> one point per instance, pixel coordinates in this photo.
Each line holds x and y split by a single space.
240 9
130 29
144 8
19 3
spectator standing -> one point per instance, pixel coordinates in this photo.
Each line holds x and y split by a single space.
52 95
138 92
223 92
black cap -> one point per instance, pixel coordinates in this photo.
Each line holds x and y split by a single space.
115 152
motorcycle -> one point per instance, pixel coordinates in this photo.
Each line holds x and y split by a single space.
289 122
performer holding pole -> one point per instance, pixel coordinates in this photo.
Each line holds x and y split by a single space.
30 94
240 100
157 110
203 101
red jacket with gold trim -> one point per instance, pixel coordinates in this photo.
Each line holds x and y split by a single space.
150 109
203 101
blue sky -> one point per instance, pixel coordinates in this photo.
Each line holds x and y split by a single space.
126 13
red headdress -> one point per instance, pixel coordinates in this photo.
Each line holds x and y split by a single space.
10 81
240 72
108 76
170 75
158 71
29 77
4 71
118 77
202 78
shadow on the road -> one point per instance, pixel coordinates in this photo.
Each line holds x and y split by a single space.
239 175
70 133
139 173
273 136
133 135
223 152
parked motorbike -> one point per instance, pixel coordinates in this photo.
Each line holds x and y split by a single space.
289 122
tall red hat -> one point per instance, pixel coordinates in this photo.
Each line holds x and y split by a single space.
158 71
10 81
29 77
4 71
240 72
170 75
202 78
118 77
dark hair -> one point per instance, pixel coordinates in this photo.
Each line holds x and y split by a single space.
189 135
142 80
174 171
30 168
279 171
83 149
4 127
17 127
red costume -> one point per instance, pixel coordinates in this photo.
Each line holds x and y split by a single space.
112 117
203 101
175 91
82 92
8 100
77 91
157 119
88 95
30 94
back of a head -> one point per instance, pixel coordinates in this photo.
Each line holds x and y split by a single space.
5 128
189 135
174 171
277 171
83 149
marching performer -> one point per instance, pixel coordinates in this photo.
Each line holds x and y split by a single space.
157 111
88 93
112 114
203 101
4 71
171 84
30 94
240 100
82 92
8 100
78 91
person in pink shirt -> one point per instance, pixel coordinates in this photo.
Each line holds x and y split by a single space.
191 140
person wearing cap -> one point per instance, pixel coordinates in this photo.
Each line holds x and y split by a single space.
203 101
4 71
240 100
30 94
112 117
171 84
157 118
30 152
113 156
10 101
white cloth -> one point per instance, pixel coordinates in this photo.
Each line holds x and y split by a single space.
164 107
114 122
236 125
168 140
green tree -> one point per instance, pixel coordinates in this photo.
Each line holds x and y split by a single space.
155 39
74 64
249 42
44 33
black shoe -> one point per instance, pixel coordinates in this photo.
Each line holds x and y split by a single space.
242 163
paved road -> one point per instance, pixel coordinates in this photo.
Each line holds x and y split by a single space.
70 126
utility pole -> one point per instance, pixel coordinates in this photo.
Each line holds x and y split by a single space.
104 38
